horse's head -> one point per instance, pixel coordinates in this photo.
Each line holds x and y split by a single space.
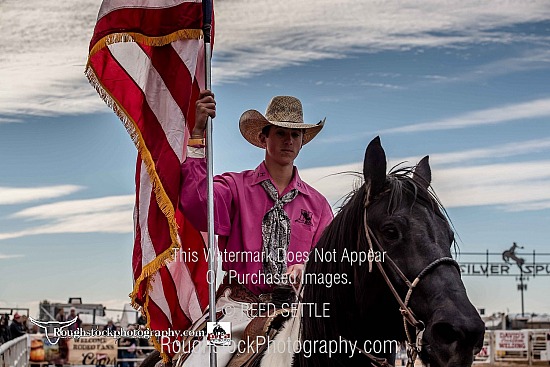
406 220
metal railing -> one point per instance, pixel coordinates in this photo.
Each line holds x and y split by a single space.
16 352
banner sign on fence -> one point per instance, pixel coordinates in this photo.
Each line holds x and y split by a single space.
92 351
511 340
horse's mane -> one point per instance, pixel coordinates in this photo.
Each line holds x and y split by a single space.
400 182
347 231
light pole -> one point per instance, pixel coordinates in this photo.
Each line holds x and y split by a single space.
522 287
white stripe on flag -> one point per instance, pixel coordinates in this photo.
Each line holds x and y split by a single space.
188 50
200 75
157 295
138 66
111 5
187 295
145 189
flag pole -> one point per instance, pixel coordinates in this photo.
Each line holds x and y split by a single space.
212 263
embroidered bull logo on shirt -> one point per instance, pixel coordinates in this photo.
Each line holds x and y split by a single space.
305 217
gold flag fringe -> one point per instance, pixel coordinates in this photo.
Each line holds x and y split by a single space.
146 40
163 201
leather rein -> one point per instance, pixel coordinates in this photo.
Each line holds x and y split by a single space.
414 346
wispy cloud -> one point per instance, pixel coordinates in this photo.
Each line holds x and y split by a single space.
494 184
43 51
501 151
8 120
527 61
491 116
516 186
382 85
44 43
111 214
10 256
251 33
18 195
521 207
534 59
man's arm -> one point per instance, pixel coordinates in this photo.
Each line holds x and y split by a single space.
193 194
193 197
324 221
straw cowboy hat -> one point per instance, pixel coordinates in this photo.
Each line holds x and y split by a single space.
283 111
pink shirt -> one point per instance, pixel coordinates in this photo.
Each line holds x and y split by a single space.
240 203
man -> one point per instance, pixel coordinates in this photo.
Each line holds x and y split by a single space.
267 219
129 348
60 316
110 326
4 328
17 328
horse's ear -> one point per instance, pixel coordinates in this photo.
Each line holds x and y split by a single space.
423 173
374 167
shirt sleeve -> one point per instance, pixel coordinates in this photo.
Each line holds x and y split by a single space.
193 197
324 221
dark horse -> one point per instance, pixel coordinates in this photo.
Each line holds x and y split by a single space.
395 213
414 291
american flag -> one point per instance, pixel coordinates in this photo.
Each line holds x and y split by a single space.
146 61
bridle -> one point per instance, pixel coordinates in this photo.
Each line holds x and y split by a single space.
414 346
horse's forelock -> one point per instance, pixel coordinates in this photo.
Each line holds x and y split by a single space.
401 183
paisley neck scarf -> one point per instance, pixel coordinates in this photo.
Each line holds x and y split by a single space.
276 231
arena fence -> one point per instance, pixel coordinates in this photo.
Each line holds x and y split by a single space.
528 346
15 353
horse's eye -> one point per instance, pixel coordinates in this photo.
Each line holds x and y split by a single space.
390 232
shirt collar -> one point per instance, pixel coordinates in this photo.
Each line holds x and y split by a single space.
261 174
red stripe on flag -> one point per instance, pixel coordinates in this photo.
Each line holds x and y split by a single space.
160 321
159 231
173 72
179 319
149 22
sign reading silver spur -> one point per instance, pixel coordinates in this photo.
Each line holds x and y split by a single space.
507 263
500 269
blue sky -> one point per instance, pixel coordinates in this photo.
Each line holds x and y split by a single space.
465 82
